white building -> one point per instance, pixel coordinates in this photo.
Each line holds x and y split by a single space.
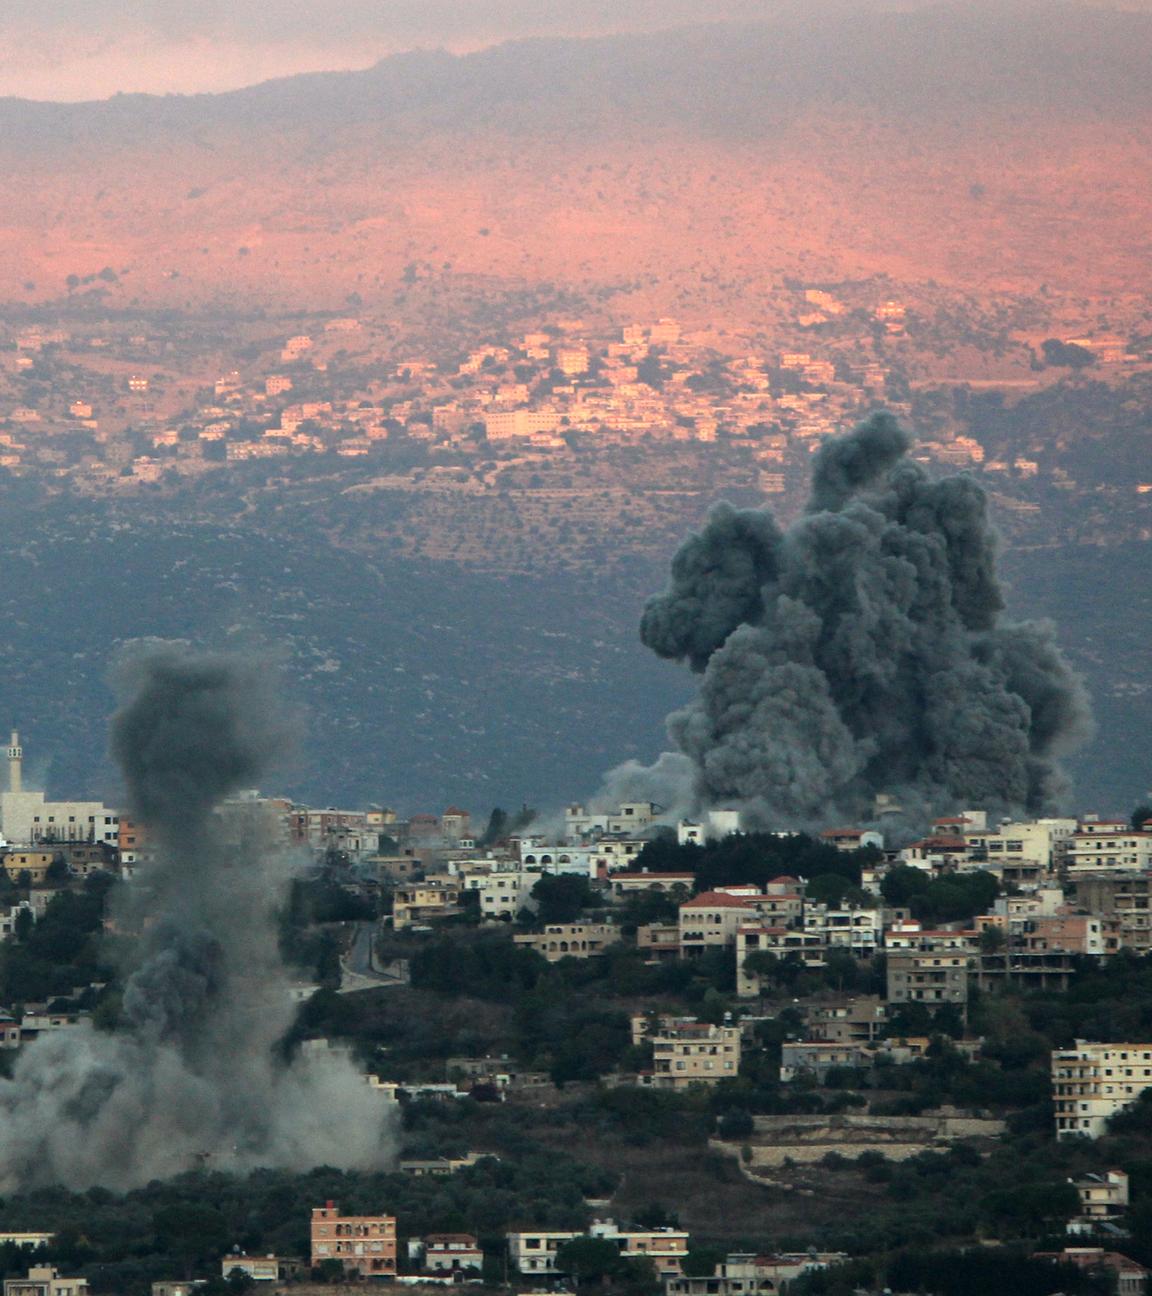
1092 1082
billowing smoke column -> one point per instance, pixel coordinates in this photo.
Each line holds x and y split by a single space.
862 651
193 1072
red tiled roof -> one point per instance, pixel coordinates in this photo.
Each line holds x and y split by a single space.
718 900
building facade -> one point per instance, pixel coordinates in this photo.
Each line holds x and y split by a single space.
363 1244
1092 1082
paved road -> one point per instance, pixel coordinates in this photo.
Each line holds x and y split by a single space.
359 964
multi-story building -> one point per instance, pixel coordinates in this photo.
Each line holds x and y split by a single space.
712 919
1104 849
35 863
1040 842
687 1052
504 892
364 1244
932 977
1103 1199
451 1253
856 930
1129 1277
570 940
816 1058
417 903
535 1252
858 1019
30 819
43 1280
665 1247
782 942
1092 1082
1123 897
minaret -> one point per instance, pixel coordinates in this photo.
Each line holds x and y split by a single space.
15 764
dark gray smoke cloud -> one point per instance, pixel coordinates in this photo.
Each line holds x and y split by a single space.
194 1068
863 651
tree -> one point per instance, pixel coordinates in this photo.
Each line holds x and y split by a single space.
589 1259
1066 355
1141 815
701 1262
57 872
562 897
991 940
194 1231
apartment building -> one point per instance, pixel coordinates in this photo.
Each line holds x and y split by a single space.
858 1019
689 1052
570 940
418 903
364 1244
930 977
665 1247
452 1253
783 942
43 1280
1101 849
621 886
816 1058
1103 1199
535 1252
1092 1082
503 893
712 919
1041 842
858 931
1122 897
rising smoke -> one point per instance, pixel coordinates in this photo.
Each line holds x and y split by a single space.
861 652
193 1073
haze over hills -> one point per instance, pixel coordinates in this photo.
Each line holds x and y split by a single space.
687 168
987 164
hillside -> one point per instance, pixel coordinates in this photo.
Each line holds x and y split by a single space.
687 170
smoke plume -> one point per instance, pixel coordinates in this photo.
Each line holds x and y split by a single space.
193 1072
862 651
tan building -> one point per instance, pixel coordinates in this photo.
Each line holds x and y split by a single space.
43 1280
782 942
364 1244
712 919
269 1268
534 1253
417 903
570 940
1124 898
35 863
855 1020
1092 1082
931 978
689 1052
1103 1198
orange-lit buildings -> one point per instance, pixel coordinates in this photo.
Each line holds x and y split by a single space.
364 1244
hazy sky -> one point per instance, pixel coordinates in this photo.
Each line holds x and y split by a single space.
82 49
